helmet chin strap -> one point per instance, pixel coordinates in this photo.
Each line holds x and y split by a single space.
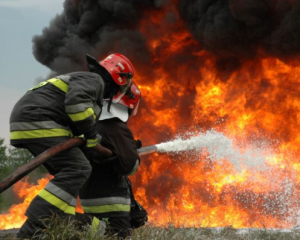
130 94
113 92
110 88
109 102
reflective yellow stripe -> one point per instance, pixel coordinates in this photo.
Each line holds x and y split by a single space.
40 133
55 201
39 85
25 126
91 142
56 82
81 115
59 84
95 224
106 208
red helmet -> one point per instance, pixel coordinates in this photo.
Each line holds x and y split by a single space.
119 68
126 106
131 99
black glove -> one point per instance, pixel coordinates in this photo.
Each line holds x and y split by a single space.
138 143
88 152
106 161
89 145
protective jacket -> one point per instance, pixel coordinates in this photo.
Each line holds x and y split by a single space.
106 193
63 106
45 116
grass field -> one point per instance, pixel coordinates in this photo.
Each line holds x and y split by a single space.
68 232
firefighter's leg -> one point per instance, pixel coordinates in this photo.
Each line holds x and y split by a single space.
119 226
70 169
87 221
107 196
138 215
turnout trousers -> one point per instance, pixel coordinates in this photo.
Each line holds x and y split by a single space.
70 169
110 197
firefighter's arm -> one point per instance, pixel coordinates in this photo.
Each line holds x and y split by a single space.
138 144
114 160
84 92
128 158
135 167
117 137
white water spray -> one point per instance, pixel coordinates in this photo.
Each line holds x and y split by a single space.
219 147
255 157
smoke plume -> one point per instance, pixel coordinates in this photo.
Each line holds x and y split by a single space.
233 30
95 27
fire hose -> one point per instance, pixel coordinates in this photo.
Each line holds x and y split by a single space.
43 157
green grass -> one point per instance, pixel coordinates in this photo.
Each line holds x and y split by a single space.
171 232
58 230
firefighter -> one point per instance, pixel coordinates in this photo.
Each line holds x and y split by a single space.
107 194
54 111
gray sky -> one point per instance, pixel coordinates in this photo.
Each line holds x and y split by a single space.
20 20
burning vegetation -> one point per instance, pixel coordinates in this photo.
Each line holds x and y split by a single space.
231 66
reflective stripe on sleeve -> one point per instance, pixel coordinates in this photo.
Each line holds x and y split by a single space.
91 142
82 115
59 84
40 133
57 202
62 83
39 85
76 108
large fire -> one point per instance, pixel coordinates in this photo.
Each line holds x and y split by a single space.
26 192
256 105
254 102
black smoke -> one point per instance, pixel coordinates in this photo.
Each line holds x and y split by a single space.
97 27
232 30
244 28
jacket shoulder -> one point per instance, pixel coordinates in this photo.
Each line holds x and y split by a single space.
84 74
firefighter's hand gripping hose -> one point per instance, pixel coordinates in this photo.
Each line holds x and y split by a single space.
210 141
138 143
43 157
40 159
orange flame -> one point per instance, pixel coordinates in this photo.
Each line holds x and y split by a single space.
26 192
15 216
257 105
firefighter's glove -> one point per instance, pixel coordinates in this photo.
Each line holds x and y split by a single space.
105 161
88 151
138 143
90 143
89 147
